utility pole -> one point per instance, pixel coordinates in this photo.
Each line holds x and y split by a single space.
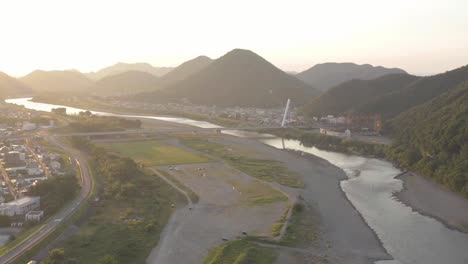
286 110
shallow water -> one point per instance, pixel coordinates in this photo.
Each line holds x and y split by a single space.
408 236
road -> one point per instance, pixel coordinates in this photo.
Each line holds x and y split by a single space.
67 211
6 178
156 131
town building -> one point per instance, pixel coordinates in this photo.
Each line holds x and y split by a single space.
20 206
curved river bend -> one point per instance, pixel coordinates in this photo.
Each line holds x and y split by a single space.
408 236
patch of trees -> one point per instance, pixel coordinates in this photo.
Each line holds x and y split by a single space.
86 122
5 221
119 173
55 192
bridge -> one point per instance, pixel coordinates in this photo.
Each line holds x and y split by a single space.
157 131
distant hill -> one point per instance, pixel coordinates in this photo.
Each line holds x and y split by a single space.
124 67
239 78
346 97
57 81
388 95
415 93
129 82
10 86
186 69
326 75
432 138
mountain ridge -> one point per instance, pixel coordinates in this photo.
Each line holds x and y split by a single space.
327 75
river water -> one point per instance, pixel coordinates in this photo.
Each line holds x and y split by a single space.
409 237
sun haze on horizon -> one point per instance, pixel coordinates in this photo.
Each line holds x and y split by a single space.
422 37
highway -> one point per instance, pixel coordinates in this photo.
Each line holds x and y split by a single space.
61 216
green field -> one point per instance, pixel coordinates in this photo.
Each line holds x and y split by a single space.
302 230
153 153
267 170
126 229
240 252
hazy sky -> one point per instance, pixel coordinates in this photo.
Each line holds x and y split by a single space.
421 37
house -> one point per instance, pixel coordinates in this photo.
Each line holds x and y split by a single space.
20 206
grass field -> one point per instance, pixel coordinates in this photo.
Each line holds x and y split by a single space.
268 170
125 229
302 228
153 153
240 252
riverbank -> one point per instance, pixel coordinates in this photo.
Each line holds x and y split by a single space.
431 199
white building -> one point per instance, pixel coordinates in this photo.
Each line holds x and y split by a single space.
34 216
20 206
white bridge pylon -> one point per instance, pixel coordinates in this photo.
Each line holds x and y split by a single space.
286 110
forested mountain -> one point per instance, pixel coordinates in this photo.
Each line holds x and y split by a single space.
129 82
186 69
125 67
432 139
415 93
239 78
326 75
387 95
349 95
10 86
57 81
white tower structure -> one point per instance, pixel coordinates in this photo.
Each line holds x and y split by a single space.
286 110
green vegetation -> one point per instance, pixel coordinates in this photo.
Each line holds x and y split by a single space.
302 227
267 170
131 213
55 192
276 228
240 252
432 139
152 153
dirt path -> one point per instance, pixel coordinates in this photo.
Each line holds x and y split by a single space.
189 200
222 212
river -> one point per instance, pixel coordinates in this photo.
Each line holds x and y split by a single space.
409 237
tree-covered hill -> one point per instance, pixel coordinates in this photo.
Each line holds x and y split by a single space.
351 94
129 82
388 95
10 86
326 75
415 93
239 78
432 139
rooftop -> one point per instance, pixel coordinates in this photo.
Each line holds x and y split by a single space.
35 213
21 201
